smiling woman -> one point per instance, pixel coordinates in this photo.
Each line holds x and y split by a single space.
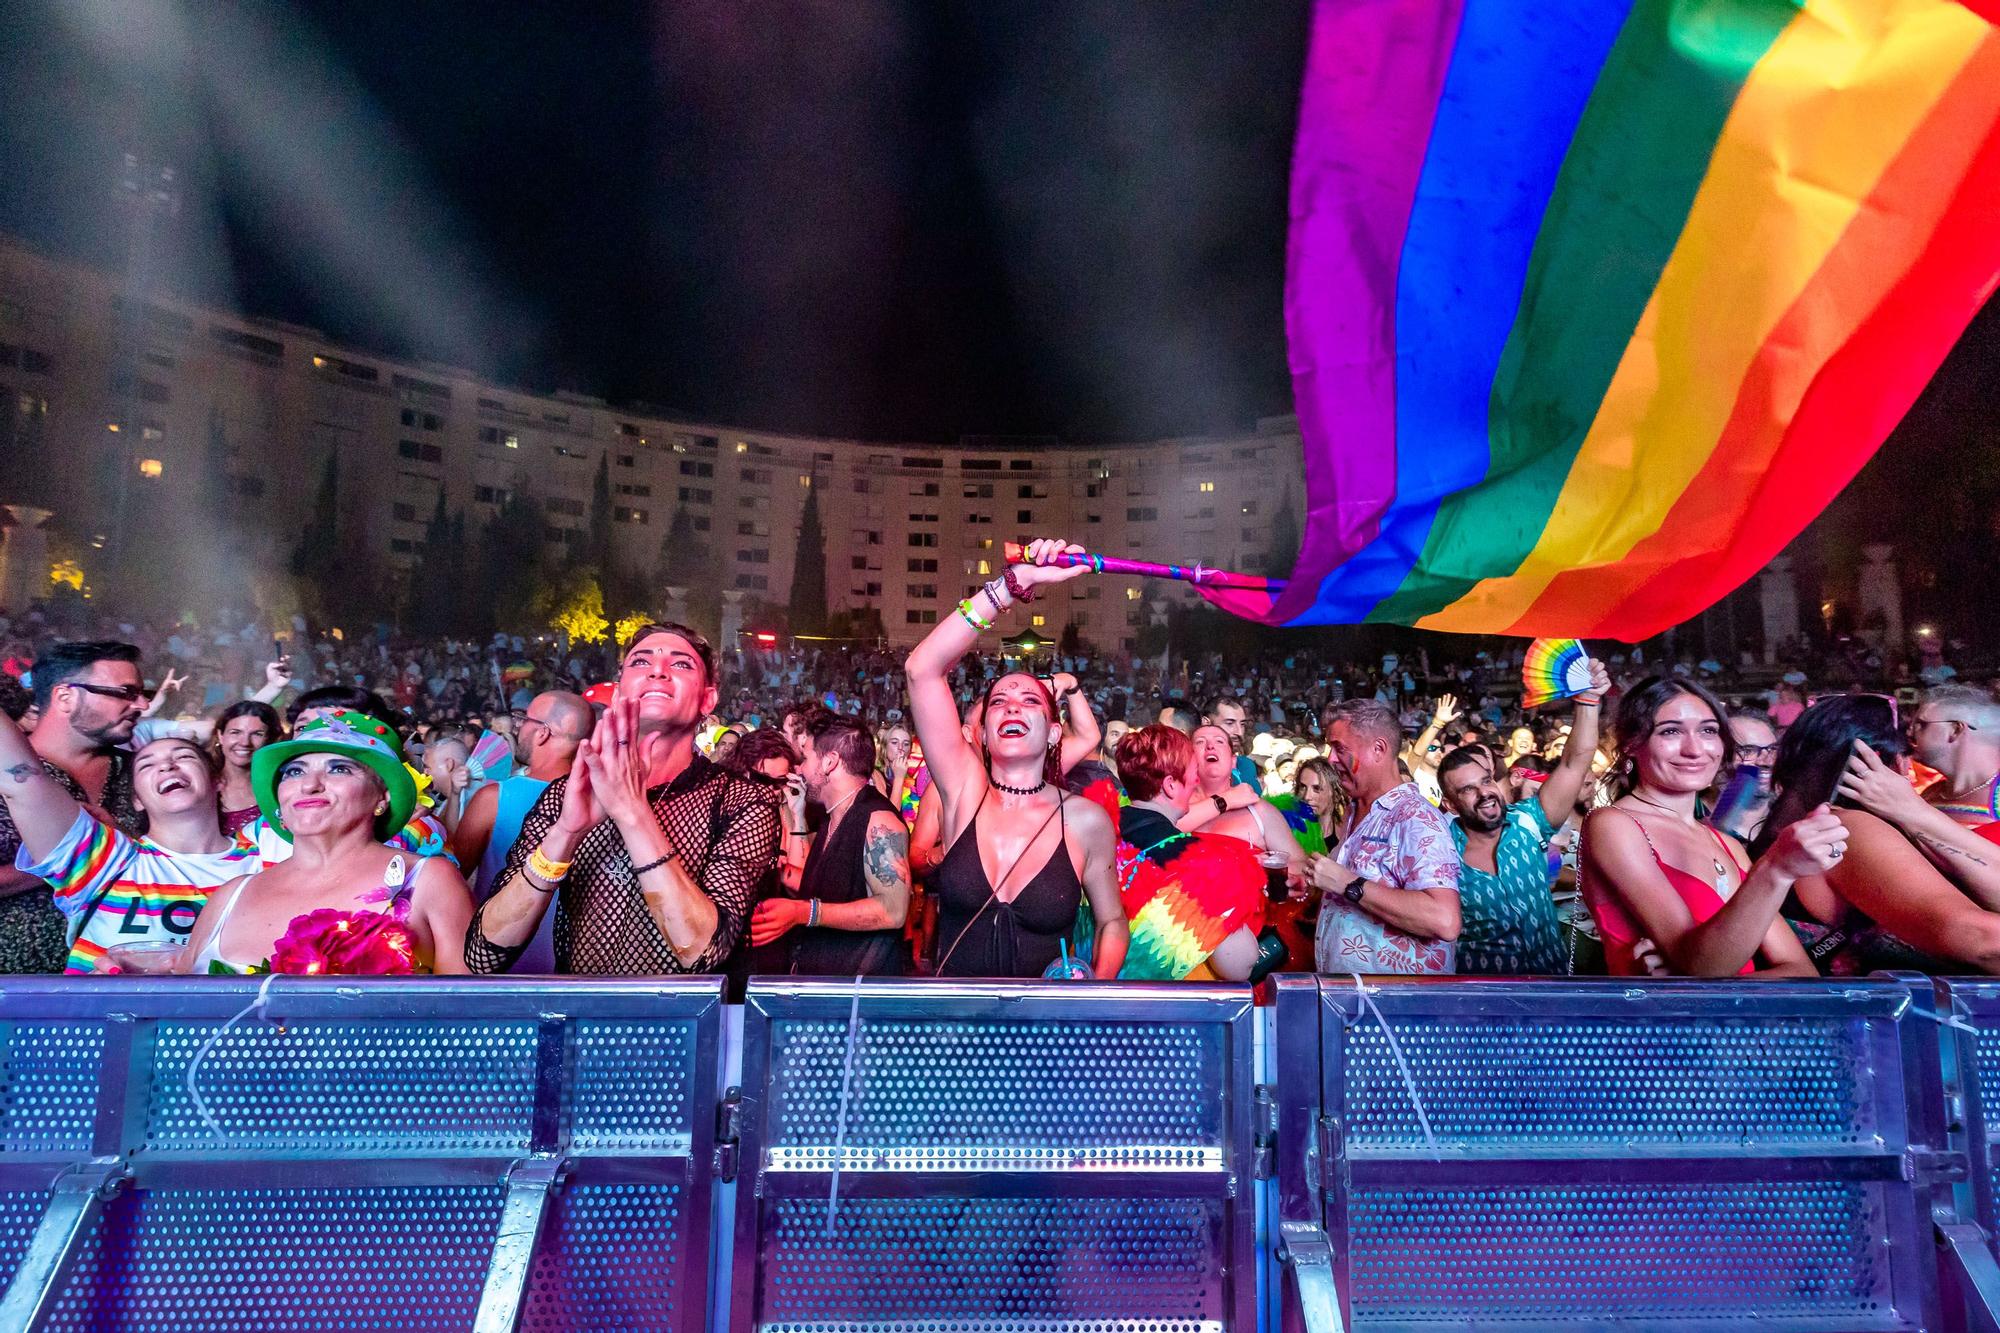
344 902
131 901
1019 857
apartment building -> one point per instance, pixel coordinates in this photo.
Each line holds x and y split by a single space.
113 410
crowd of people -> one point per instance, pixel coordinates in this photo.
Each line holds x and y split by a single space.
274 800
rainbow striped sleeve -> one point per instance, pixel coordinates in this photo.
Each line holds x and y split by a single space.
88 860
1592 307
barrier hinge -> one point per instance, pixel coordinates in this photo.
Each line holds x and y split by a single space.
1264 1111
728 1133
1932 1166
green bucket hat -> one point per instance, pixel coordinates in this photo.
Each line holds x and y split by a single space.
362 738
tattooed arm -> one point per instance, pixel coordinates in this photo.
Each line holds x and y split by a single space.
1966 859
41 809
885 863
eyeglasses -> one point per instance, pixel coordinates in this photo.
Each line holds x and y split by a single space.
1917 724
1755 753
130 694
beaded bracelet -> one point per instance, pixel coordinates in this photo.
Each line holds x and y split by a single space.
979 623
651 865
812 912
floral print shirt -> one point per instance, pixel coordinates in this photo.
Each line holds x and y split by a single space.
1404 842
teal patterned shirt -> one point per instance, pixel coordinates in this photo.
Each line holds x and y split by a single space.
1509 917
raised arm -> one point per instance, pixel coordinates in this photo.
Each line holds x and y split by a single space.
1082 733
1565 784
953 763
1100 889
42 810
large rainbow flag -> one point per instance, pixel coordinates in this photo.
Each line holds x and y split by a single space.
1594 305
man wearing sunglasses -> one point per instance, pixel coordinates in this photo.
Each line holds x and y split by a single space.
1956 730
90 698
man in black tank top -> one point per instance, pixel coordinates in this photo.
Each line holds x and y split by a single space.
848 916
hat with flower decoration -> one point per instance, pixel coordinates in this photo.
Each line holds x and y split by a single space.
365 739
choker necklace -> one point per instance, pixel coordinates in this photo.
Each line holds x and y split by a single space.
1019 791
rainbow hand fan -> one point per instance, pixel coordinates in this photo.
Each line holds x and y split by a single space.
1554 669
492 758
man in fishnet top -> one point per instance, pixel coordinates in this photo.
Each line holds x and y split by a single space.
648 851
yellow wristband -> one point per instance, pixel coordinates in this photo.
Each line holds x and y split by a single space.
551 871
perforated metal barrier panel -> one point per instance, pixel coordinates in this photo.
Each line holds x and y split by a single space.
1572 1154
1007 1158
358 1154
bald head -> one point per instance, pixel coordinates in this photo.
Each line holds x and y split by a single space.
546 740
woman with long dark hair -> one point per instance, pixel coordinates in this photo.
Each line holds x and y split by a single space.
1916 889
1020 856
241 730
1653 872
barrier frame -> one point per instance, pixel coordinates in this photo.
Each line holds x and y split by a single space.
773 1001
131 1009
1317 1174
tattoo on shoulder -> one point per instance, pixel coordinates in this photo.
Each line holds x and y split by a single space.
885 856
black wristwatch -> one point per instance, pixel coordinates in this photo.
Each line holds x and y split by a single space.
1353 890
1221 806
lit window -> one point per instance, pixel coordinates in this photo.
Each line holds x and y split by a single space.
742 448
111 426
985 567
805 480
1131 594
319 363
150 467
512 441
1207 486
1038 621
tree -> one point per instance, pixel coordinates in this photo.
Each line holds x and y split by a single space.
431 608
595 554
510 558
316 558
572 603
808 599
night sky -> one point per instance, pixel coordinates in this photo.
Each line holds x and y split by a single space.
850 217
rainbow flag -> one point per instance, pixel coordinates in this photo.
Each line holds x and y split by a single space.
1593 306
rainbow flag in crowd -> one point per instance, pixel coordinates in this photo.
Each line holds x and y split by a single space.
1593 306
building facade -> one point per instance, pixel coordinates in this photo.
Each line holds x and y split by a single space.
117 410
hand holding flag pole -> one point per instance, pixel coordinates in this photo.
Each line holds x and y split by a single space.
1198 574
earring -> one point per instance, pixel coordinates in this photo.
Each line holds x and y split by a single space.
382 809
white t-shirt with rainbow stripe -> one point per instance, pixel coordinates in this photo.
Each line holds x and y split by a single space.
117 889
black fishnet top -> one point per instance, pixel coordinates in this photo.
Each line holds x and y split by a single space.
723 827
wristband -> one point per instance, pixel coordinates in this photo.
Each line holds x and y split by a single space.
993 589
552 871
651 865
979 623
812 912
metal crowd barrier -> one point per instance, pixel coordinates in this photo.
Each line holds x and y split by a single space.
957 1155
933 1157
1565 1155
357 1154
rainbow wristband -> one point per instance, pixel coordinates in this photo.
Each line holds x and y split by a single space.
979 623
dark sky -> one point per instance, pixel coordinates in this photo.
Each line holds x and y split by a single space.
858 217
874 218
